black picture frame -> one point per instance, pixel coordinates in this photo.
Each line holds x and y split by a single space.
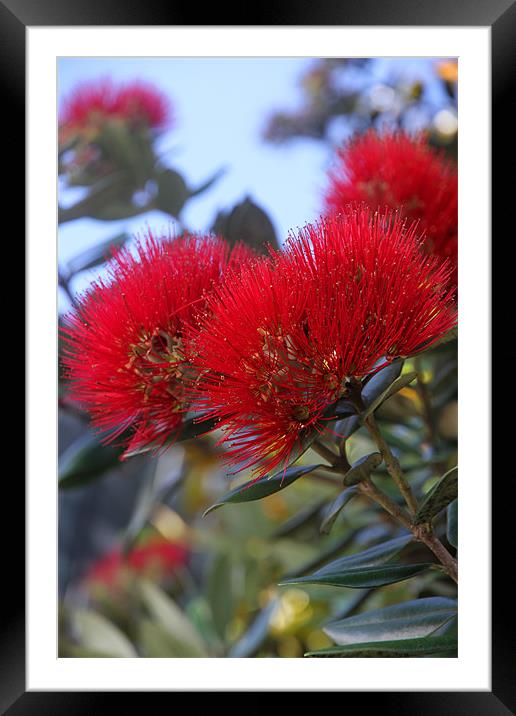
500 16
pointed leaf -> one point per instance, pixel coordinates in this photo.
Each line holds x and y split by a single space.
379 554
362 469
426 646
439 497
452 523
396 386
333 510
364 577
99 635
341 409
265 486
172 619
173 192
381 381
209 182
374 387
98 254
415 618
300 519
85 460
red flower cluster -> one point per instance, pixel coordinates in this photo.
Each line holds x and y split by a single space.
398 171
282 338
124 346
157 558
92 103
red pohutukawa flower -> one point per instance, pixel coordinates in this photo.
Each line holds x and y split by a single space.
399 171
156 558
282 338
90 104
124 350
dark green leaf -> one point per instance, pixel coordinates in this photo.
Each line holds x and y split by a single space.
333 510
173 192
299 520
249 223
374 387
402 648
439 497
220 591
408 620
452 523
341 409
85 460
379 554
364 577
208 183
345 428
381 381
449 628
397 385
362 469
265 486
98 254
336 546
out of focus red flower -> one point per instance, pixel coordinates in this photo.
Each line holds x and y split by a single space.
91 104
399 171
158 558
281 339
124 352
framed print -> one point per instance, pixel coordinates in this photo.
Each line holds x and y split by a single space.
258 348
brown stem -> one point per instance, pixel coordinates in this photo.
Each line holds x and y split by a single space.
423 533
392 464
325 452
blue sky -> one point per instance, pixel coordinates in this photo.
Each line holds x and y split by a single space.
221 106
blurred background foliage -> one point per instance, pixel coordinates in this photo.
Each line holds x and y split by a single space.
141 571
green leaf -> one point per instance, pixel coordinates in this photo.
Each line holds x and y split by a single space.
101 636
299 519
208 183
339 410
220 591
381 381
86 460
396 386
249 223
439 497
379 554
96 255
452 523
364 577
172 619
362 469
258 489
373 388
333 510
408 620
156 642
173 192
400 648
345 428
